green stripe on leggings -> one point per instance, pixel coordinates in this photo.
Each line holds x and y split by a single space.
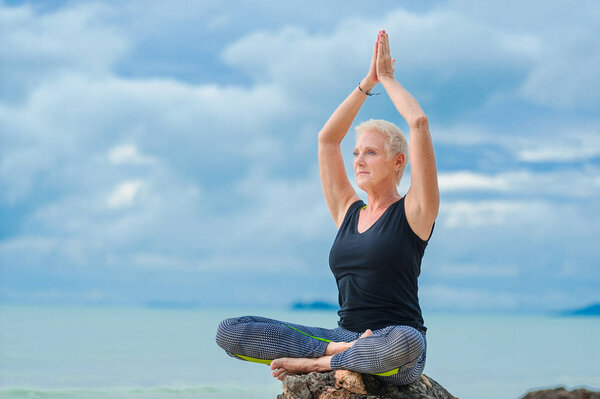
253 359
308 335
387 373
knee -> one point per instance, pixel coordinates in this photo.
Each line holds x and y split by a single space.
408 356
407 352
415 361
228 334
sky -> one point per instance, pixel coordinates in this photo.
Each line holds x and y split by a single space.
158 151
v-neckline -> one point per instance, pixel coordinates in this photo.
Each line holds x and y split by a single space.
376 221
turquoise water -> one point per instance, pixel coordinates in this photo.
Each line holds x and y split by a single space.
129 352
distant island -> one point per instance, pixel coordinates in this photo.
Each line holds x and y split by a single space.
314 305
592 310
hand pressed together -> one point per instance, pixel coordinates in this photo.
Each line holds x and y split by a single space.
382 64
385 62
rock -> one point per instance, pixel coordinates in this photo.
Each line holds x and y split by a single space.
562 393
344 384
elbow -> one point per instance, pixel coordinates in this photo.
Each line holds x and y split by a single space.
324 137
419 122
321 137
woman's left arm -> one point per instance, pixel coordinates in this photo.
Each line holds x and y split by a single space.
423 198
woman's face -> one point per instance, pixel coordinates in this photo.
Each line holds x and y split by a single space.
372 167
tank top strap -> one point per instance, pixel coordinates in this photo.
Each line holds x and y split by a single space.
352 211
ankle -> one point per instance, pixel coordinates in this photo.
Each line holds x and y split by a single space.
331 349
336 347
322 364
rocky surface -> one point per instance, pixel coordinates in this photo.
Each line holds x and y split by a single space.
562 393
344 384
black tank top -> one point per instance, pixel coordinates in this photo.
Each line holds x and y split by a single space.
376 271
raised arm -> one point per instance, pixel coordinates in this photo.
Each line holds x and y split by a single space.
338 191
423 198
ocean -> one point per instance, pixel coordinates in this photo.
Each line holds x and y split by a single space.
82 352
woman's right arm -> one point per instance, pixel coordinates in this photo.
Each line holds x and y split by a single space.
338 191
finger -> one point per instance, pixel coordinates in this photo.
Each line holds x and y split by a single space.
375 47
380 44
386 44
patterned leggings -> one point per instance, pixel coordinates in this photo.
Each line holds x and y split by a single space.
395 354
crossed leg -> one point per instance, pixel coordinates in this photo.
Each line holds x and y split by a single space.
395 354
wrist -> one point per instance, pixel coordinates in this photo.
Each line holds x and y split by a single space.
386 79
366 92
368 84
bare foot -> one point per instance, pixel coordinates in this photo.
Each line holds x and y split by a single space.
337 347
289 365
285 366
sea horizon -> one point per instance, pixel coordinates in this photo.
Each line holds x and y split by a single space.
292 305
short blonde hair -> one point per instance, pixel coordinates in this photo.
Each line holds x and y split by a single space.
395 141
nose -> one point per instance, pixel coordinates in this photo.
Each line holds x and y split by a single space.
359 159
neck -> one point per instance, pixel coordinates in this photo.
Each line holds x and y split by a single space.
382 199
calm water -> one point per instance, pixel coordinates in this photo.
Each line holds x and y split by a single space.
103 352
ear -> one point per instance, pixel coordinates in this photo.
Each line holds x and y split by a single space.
398 161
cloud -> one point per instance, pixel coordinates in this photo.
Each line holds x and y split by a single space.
565 61
284 207
74 120
266 219
38 47
566 74
124 194
466 180
485 213
578 147
131 159
571 183
468 54
128 154
538 214
109 170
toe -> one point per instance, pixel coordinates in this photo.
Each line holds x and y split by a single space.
274 364
280 374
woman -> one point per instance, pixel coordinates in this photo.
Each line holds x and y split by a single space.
376 256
